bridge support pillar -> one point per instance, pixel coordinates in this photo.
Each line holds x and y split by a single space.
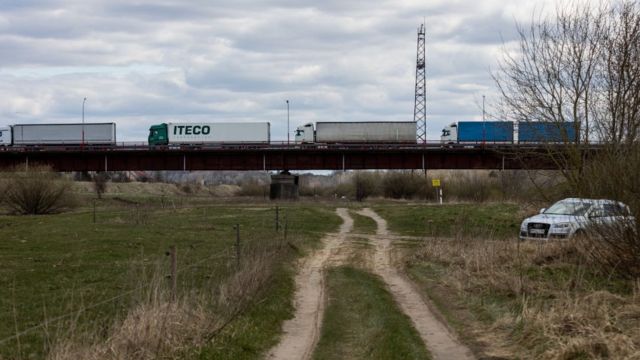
284 186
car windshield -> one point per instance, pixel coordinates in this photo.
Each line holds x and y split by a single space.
568 208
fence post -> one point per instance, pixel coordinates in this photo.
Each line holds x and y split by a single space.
174 272
277 218
237 227
286 227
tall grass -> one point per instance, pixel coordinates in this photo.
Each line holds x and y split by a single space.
157 326
539 300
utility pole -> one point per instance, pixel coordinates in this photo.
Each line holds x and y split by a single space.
420 104
287 122
83 101
484 128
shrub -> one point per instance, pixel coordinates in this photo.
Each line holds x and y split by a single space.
253 187
364 185
36 191
404 185
100 183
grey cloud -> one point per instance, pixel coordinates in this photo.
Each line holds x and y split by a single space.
239 61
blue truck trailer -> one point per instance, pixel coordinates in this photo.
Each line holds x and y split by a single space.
547 132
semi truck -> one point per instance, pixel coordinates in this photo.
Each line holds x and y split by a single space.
210 133
330 132
58 134
478 131
509 132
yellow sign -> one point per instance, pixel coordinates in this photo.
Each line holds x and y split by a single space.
435 182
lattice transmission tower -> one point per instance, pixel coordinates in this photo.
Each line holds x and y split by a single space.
420 105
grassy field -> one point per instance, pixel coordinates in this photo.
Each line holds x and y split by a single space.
362 321
55 265
493 220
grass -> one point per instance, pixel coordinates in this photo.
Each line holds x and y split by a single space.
362 224
496 220
58 264
362 321
529 301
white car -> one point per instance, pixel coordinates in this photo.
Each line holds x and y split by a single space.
573 216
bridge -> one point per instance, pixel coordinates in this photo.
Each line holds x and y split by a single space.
281 157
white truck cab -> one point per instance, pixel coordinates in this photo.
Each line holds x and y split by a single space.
5 136
305 134
449 134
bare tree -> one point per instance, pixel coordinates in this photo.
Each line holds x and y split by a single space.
582 66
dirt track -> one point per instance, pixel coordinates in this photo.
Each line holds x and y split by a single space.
301 333
439 340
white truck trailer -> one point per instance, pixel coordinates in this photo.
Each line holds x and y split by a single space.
357 132
209 133
58 134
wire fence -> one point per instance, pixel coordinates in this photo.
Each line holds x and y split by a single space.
232 254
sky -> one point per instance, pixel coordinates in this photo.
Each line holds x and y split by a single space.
144 62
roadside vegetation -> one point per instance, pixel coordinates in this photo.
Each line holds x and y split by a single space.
362 321
527 300
76 288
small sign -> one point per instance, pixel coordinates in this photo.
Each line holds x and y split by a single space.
435 182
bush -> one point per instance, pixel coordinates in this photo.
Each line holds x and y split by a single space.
100 183
37 191
253 187
404 185
473 187
364 185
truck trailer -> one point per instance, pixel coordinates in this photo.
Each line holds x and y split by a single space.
58 134
332 132
547 132
466 132
209 133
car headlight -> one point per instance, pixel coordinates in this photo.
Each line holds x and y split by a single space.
523 226
561 226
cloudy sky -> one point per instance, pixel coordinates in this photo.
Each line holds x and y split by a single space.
142 62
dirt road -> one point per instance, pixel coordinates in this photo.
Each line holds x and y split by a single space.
439 340
301 333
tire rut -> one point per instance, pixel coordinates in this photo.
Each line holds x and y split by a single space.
301 333
441 343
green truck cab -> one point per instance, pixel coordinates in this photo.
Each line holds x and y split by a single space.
158 135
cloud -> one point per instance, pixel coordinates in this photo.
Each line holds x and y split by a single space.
147 62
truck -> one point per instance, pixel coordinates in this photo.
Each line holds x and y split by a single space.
210 133
522 132
478 132
333 132
58 134
547 132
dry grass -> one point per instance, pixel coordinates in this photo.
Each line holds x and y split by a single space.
539 300
158 328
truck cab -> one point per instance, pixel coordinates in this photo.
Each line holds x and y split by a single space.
5 136
449 134
158 135
305 134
